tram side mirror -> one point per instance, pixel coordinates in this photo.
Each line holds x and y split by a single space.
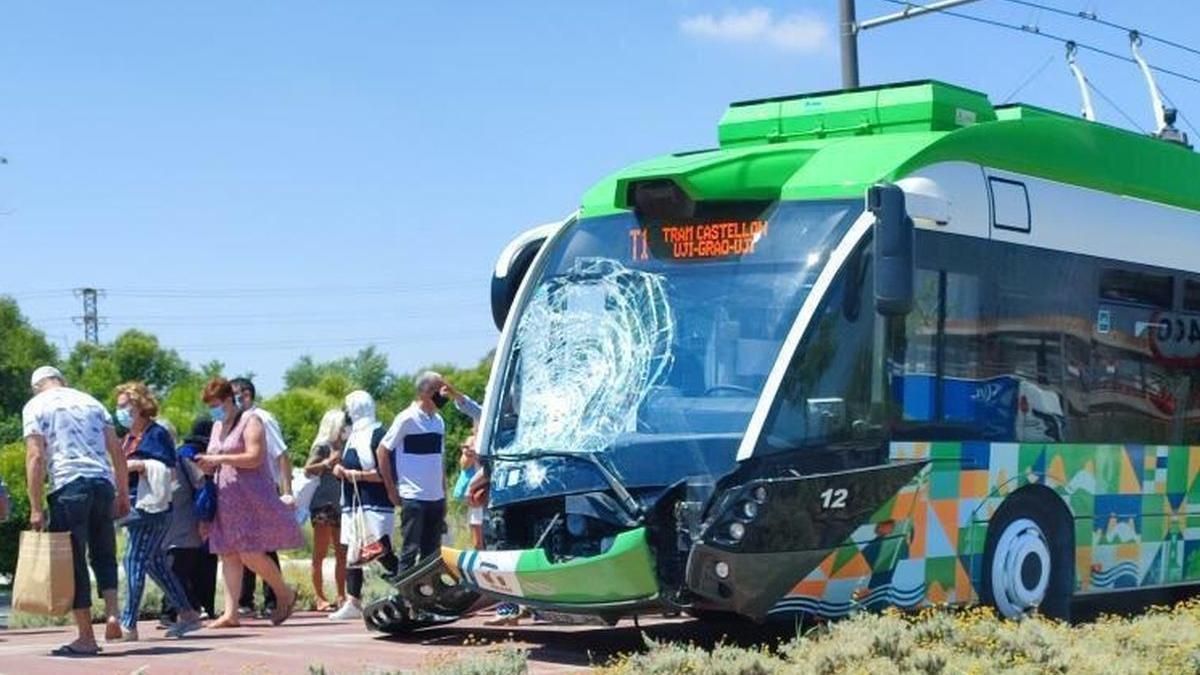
512 266
893 255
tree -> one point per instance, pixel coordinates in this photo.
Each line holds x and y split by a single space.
367 370
138 356
22 349
133 355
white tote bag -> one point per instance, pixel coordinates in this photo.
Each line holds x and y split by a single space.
356 530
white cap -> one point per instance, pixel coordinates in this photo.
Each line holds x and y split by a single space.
44 372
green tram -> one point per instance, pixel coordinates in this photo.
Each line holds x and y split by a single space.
892 346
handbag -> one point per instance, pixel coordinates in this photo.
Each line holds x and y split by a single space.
45 579
204 490
362 546
204 501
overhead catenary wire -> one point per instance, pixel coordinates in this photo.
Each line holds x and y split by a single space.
1032 76
1114 105
1086 15
404 339
204 318
1031 30
251 291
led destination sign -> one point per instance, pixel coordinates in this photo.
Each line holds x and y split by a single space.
697 241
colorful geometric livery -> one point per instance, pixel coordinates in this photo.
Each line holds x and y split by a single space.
1136 511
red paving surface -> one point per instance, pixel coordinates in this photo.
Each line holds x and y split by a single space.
311 639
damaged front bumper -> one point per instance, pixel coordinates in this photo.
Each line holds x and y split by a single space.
440 590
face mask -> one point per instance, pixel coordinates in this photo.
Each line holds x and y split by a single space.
439 400
217 413
124 418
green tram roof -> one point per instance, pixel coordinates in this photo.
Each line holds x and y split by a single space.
836 144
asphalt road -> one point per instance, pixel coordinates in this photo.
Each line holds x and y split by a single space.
310 639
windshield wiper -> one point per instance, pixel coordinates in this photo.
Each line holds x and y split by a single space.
632 507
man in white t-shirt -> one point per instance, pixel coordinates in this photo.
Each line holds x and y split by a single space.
411 457
244 396
69 439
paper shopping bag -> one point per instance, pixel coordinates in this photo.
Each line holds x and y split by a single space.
45 581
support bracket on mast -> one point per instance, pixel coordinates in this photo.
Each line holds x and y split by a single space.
1085 92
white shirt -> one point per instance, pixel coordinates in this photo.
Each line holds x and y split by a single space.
74 426
416 441
276 446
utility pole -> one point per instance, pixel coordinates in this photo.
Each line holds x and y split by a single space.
850 28
91 317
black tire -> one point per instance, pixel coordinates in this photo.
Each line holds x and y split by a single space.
1023 519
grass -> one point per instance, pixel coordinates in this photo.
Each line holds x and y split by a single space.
930 642
934 641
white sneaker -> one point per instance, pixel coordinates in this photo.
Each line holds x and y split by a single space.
347 612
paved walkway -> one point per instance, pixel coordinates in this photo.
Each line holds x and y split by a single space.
310 639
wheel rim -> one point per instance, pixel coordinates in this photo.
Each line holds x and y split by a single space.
1020 568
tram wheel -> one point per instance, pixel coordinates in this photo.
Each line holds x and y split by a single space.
1029 558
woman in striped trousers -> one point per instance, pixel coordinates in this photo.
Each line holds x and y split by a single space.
150 456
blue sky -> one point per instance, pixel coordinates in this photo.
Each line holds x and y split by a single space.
257 181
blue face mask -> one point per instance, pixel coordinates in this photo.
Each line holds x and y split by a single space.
217 413
124 418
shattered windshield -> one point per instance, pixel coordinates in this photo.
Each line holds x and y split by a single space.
659 332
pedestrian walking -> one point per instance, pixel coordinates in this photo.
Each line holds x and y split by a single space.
364 498
150 458
69 439
250 520
245 397
325 509
187 552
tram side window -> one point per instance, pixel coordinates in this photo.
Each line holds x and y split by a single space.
1191 295
936 372
1138 381
1137 287
1190 394
1040 343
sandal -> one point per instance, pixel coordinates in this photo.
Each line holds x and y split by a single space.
325 606
282 612
73 651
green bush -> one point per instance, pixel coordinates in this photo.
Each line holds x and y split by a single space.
12 470
299 413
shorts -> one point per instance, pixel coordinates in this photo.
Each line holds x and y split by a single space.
84 507
329 514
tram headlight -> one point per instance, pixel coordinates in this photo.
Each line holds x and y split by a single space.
737 531
721 569
760 494
750 509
